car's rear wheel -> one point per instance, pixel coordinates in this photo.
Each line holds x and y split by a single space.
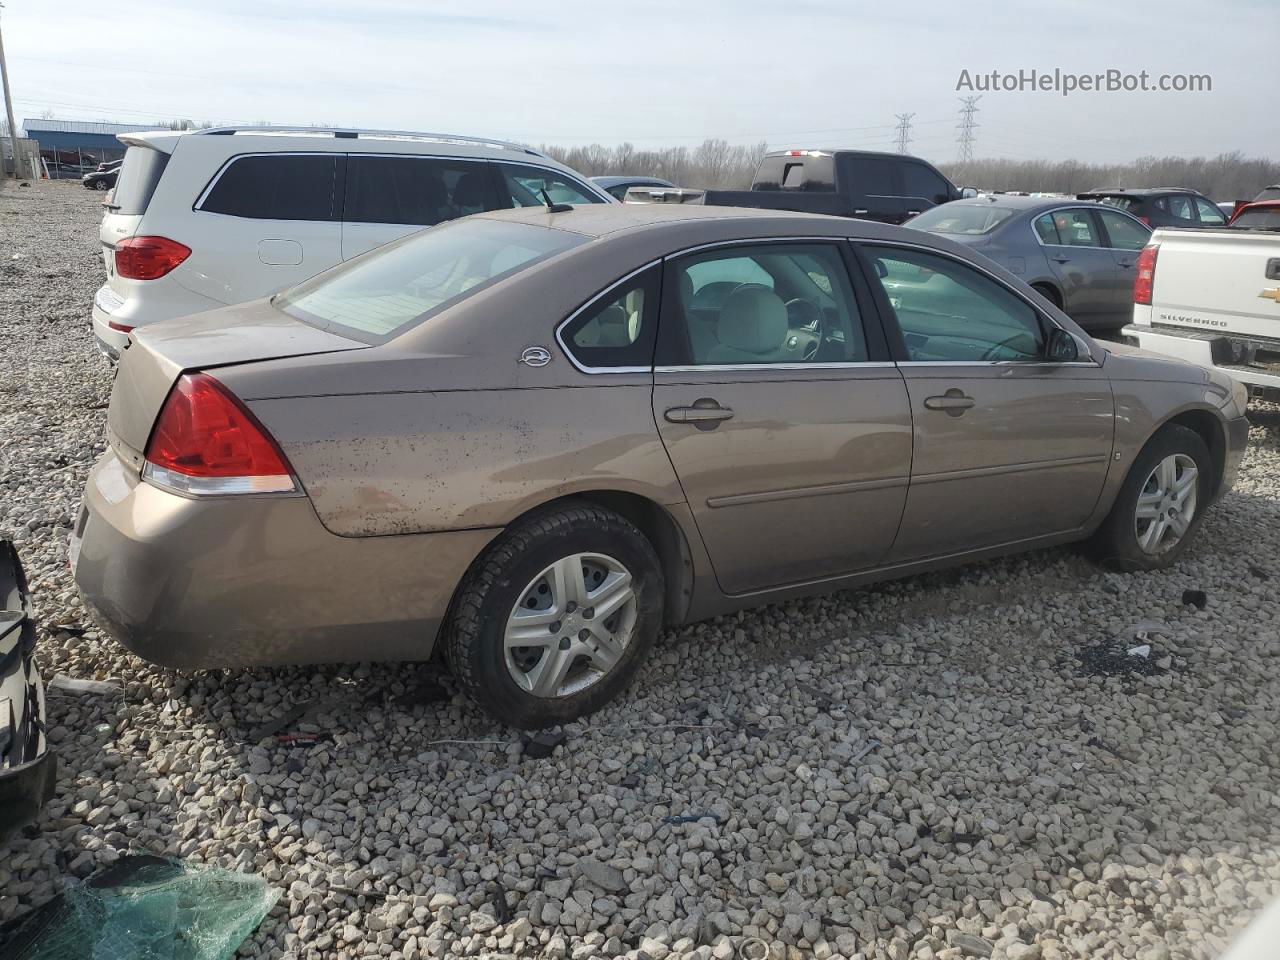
100 185
1159 507
556 618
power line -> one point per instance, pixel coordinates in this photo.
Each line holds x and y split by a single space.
968 107
904 130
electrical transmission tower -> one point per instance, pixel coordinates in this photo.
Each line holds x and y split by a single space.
966 126
904 130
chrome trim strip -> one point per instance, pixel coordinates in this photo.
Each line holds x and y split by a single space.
565 172
795 493
591 302
978 472
732 367
1091 205
951 364
751 241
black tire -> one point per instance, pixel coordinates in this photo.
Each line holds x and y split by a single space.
1115 544
473 637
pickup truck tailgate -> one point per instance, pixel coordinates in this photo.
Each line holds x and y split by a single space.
1226 280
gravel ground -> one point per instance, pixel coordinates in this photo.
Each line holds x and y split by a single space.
953 765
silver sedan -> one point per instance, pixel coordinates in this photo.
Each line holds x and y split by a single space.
1078 256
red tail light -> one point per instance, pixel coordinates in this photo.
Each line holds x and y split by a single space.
148 258
1146 221
1144 273
206 441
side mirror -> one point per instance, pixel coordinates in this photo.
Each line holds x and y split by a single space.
1065 347
968 193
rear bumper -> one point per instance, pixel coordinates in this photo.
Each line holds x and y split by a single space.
149 301
255 580
1242 358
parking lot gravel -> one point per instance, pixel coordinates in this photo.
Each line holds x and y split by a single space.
963 764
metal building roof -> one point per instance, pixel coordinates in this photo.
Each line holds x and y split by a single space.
82 126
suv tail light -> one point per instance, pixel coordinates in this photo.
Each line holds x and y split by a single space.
1144 273
148 258
206 441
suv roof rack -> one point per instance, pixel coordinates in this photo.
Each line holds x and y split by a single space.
355 133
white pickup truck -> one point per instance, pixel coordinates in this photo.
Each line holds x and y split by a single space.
1213 297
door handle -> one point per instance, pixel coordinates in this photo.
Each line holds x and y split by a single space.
705 414
953 402
1060 259
913 213
1126 263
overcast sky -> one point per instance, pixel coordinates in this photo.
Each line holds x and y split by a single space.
792 72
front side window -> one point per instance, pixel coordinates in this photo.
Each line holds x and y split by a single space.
617 330
1076 228
1180 208
525 186
919 182
1124 233
948 311
768 304
277 186
1210 215
415 190
376 297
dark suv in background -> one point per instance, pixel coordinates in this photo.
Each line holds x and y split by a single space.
1162 206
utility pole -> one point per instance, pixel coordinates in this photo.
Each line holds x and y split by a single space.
8 107
968 107
904 130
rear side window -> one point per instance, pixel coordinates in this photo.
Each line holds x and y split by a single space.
1125 233
617 330
871 177
137 181
415 190
277 186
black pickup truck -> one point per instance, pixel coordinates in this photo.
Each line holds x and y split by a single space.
890 187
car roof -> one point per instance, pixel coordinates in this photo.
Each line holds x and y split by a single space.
1017 202
614 181
1139 191
602 219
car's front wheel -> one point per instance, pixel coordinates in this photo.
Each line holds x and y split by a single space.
1160 504
556 618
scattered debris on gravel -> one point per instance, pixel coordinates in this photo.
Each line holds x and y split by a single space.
935 768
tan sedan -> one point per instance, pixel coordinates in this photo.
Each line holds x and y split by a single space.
533 437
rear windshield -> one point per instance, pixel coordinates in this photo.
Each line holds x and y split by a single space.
1260 218
137 180
964 219
380 295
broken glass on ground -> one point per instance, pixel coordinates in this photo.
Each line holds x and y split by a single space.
143 907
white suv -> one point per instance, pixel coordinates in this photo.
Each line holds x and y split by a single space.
207 218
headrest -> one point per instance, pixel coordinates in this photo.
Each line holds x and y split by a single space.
753 319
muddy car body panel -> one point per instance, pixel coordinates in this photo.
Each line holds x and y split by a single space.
811 448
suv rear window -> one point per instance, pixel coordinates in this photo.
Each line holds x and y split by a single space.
376 297
277 186
138 178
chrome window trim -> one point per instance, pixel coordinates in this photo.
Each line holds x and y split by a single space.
591 302
1091 362
1038 364
1031 224
739 367
204 194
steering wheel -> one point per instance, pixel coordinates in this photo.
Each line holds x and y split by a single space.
804 313
993 352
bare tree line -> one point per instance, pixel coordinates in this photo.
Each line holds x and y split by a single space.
1228 176
718 164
